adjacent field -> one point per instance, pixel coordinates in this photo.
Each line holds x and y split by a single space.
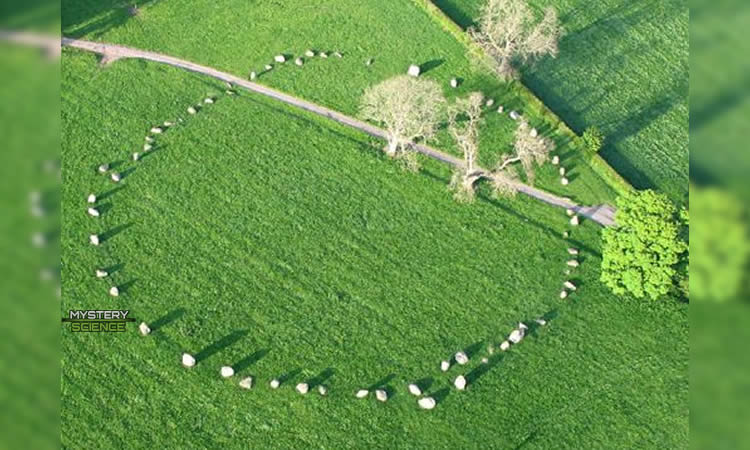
623 66
271 237
238 38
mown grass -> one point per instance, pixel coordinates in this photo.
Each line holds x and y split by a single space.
273 237
239 38
623 67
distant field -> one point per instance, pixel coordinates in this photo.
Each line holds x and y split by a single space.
623 66
310 250
238 37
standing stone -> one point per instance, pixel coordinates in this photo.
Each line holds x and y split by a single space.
413 70
485 360
445 365
541 322
116 177
505 345
101 273
114 291
91 198
460 382
323 55
454 83
268 67
381 395
136 156
93 212
208 100
533 132
302 388
426 402
564 181
322 390
566 234
500 109
563 294
144 329
149 139
555 160
562 171
572 251
103 168
168 124
246 383
279 59
574 220
309 53
362 393
461 358
338 54
570 285
514 115
369 62
156 130
226 372
489 103
572 263
299 62
94 239
253 76
414 390
515 336
275 383
188 360
570 212
191 110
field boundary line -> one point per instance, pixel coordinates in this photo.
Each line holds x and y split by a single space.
601 214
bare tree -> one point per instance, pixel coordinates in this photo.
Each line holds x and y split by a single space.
529 149
509 34
410 108
466 134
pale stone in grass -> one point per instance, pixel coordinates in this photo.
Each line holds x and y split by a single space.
279 59
516 336
445 365
562 171
573 263
572 251
381 395
39 240
246 383
338 54
485 360
275 383
302 388
188 360
309 53
191 110
323 55
514 115
116 177
149 139
489 103
229 92
533 132
566 234
362 393
500 109
136 156
144 329
208 100
414 389
103 168
555 160
426 403
413 70
564 181
574 220
460 382
147 147
253 76
461 358
94 239
299 62
563 294
156 130
541 322
226 371
570 285
101 273
168 123
369 62
93 212
322 390
505 345
454 83
114 291
490 349
91 198
569 212
268 67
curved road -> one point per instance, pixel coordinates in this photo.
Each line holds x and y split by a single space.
602 214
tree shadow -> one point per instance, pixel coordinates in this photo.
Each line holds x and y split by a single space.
249 360
166 319
112 232
221 344
321 378
429 65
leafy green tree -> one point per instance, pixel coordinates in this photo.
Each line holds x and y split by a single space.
643 250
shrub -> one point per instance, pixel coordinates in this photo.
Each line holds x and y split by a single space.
592 140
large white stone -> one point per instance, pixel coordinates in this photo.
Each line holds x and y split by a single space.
253 76
309 53
93 212
564 181
569 212
144 329
91 198
208 100
454 83
570 285
338 54
516 336
461 358
514 115
426 402
94 239
101 273
369 62
381 395
279 58
414 389
563 294
413 70
555 160
188 360
574 220
226 371
445 365
246 383
500 109
323 55
541 321
103 168
489 103
562 171
572 251
275 383
149 139
268 67
114 291
156 130
573 263
299 62
460 382
136 156
168 124
302 388
322 390
533 132
191 110
505 345
116 177
362 393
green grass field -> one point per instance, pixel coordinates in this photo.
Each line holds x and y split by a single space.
623 67
267 238
238 38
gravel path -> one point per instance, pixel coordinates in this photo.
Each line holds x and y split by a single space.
602 214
